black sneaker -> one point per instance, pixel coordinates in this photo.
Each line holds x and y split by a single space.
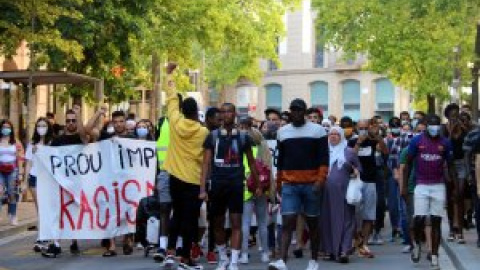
415 253
40 245
298 253
74 248
160 255
190 265
52 251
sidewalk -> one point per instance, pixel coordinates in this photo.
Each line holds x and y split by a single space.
466 256
27 217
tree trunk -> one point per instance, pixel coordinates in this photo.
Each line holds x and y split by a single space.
153 95
431 104
475 71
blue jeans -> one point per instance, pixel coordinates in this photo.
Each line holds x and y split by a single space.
257 205
393 202
300 198
9 190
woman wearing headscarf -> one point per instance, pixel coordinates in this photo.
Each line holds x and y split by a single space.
338 217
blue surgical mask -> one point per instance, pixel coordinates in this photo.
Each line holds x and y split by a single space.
433 130
6 131
395 131
142 132
363 132
414 123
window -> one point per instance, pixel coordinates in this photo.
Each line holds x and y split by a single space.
351 99
273 94
319 96
384 98
319 48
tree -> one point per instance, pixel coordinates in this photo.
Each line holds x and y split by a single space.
411 41
16 25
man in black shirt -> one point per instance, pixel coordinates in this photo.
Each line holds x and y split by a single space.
74 134
223 158
120 130
366 144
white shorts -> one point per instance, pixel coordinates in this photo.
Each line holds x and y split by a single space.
429 200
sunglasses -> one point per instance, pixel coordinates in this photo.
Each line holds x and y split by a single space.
71 120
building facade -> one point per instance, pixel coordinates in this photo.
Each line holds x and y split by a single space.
320 76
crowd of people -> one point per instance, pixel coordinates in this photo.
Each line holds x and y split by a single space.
222 181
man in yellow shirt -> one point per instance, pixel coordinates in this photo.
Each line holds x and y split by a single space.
183 163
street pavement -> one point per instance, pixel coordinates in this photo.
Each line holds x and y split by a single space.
16 253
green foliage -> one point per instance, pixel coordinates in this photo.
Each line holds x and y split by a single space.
411 41
95 37
16 25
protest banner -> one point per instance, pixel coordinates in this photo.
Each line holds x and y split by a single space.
92 191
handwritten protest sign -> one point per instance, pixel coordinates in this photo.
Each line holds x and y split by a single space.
92 191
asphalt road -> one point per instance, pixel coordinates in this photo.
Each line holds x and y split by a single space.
16 254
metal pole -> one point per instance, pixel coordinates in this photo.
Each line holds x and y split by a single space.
456 76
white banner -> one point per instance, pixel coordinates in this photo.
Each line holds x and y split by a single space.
92 191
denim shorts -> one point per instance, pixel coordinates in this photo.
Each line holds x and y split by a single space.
298 197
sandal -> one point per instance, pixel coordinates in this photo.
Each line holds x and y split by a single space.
365 253
460 239
109 253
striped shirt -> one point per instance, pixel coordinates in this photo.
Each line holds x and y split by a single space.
302 154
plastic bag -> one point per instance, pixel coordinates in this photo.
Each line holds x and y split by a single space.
153 230
354 191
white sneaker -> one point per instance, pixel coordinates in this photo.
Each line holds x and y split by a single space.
406 249
265 257
13 220
243 258
222 265
434 264
312 265
277 265
233 266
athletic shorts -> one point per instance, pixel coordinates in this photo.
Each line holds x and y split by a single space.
225 196
430 200
163 187
300 198
368 207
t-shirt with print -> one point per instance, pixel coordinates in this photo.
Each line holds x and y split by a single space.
227 155
63 140
366 154
412 182
430 154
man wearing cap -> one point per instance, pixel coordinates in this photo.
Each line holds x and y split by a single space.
303 161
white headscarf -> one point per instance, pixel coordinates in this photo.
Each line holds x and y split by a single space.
337 152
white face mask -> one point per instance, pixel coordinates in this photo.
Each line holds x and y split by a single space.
42 131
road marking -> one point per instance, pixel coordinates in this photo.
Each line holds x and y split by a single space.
12 238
